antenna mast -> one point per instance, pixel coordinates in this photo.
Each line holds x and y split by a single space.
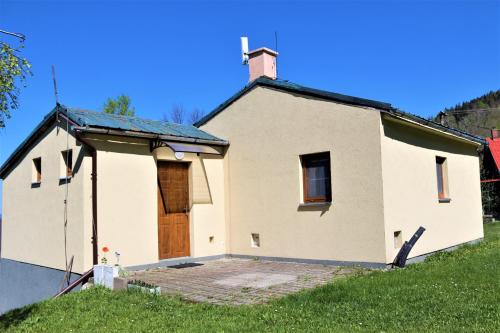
276 49
55 84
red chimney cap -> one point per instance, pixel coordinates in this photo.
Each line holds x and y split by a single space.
494 133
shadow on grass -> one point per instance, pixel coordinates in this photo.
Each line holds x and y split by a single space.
15 317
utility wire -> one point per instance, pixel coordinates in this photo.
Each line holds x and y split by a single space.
472 110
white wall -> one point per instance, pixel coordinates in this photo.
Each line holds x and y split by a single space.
268 130
33 217
410 188
127 200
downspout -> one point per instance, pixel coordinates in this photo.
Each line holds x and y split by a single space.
93 152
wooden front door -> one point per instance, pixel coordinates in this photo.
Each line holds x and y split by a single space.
173 210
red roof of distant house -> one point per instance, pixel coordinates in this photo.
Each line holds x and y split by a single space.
494 146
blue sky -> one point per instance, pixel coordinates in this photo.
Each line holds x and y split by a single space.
421 56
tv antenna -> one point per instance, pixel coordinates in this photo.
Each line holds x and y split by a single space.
244 50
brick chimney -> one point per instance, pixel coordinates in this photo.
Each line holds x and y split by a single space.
262 62
494 133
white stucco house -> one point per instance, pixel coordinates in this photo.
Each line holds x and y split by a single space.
278 171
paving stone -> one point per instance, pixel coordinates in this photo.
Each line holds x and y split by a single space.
240 281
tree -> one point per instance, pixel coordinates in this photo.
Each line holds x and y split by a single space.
122 105
179 115
13 71
195 115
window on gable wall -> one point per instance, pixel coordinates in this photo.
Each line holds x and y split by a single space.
442 178
66 163
316 177
37 171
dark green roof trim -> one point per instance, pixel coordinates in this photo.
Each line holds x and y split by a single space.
437 126
345 99
92 119
43 126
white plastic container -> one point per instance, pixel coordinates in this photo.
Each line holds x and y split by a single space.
104 275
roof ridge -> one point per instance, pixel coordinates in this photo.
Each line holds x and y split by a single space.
292 87
297 88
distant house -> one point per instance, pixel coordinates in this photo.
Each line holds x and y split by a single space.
491 175
278 171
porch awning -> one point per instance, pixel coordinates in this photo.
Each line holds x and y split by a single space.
194 148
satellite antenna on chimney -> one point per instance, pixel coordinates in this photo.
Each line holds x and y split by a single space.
244 50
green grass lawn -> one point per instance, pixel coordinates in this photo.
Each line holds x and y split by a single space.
450 292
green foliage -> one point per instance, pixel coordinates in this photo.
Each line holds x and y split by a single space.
140 283
488 100
122 105
13 71
451 292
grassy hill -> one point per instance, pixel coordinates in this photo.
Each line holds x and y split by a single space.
476 116
451 292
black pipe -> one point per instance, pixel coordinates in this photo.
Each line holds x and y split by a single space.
94 206
400 260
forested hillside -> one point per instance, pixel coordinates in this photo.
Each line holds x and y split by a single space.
476 116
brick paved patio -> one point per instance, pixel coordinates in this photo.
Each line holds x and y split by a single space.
240 281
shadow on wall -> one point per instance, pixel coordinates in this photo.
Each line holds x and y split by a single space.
413 136
122 145
314 208
22 284
201 159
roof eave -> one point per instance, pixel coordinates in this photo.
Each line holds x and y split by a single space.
76 125
144 135
463 136
32 137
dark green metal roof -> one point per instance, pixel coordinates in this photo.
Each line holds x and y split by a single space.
135 124
327 95
93 119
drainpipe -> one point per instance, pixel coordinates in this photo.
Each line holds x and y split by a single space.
93 152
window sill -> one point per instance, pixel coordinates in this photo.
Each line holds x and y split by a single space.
315 204
64 180
444 200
